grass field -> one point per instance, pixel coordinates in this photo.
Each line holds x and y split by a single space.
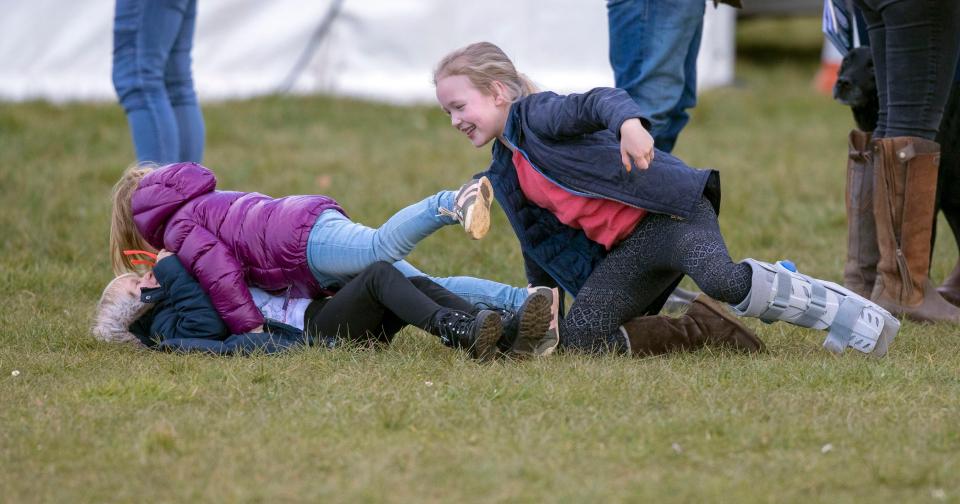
85 422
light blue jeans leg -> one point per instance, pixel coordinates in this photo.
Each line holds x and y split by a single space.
338 249
477 291
178 78
144 34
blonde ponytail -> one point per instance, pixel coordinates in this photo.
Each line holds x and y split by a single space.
123 232
483 63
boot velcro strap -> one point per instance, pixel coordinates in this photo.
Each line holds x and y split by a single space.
781 299
818 304
841 329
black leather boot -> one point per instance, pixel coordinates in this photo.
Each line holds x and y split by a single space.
476 334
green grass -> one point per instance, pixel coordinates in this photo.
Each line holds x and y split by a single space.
88 422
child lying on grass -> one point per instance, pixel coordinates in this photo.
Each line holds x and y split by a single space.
167 309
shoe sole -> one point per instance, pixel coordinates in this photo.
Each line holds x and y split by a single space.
533 323
485 347
891 326
477 220
713 306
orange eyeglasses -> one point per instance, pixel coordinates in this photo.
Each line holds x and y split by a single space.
149 262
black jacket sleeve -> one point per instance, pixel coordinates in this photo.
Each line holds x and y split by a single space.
183 309
557 117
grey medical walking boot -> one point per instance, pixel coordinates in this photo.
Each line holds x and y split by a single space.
778 292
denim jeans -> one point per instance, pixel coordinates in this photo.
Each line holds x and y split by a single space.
338 249
914 45
152 40
653 52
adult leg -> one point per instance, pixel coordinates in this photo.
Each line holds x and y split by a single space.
860 270
948 183
652 47
178 78
144 33
914 45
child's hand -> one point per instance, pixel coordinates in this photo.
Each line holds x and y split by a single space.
636 145
163 254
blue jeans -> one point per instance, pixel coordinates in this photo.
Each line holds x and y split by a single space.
338 249
653 52
152 40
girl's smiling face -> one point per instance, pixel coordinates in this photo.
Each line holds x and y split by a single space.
480 116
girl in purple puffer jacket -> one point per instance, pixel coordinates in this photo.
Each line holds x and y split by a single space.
301 245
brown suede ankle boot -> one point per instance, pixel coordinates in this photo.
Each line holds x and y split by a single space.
705 323
862 251
905 185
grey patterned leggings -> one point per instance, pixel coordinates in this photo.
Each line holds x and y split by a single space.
641 267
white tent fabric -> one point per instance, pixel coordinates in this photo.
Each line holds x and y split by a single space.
384 50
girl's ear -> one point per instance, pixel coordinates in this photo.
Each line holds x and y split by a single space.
499 93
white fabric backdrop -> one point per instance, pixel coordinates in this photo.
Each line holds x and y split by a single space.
378 49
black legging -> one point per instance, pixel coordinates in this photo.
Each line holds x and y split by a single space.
641 267
948 182
379 302
914 45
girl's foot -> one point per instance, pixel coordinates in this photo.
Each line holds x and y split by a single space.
471 207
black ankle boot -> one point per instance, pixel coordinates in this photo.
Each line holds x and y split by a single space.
476 334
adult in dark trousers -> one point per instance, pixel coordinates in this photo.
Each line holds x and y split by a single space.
914 45
948 183
152 40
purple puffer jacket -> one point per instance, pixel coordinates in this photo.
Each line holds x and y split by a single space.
228 239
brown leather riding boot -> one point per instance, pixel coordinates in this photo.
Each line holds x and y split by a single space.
705 323
905 185
862 252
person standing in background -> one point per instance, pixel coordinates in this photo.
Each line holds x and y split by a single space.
914 45
948 182
653 53
152 40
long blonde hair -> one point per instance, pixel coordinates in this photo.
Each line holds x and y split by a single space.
123 231
483 63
